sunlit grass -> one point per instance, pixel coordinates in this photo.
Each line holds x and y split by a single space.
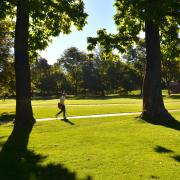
107 148
87 106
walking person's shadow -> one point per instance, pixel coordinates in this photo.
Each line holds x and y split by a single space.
67 121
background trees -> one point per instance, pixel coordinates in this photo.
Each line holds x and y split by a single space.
80 74
170 53
72 61
136 56
7 83
96 74
47 79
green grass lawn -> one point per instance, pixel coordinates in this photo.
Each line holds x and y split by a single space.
111 148
87 106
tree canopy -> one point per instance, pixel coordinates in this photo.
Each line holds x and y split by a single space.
47 19
130 20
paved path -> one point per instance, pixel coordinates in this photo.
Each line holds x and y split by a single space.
98 115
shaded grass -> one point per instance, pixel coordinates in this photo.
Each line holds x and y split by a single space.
17 162
6 117
107 148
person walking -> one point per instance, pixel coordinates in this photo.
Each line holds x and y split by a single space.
62 106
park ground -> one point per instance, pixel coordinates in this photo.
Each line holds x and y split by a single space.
103 148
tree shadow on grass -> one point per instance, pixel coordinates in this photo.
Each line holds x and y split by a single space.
175 96
6 117
17 162
167 121
163 150
177 158
1 137
170 123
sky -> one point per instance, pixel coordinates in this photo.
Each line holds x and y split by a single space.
100 16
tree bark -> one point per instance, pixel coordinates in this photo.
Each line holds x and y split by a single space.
24 115
153 105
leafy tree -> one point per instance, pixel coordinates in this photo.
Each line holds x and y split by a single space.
60 78
90 77
48 18
108 74
7 76
7 83
39 71
72 60
170 54
136 56
152 16
47 79
47 85
170 72
121 77
102 63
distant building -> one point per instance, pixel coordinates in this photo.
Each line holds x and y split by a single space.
175 87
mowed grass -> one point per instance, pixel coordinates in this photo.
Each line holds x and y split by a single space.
82 106
112 148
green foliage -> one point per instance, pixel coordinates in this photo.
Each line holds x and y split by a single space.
7 83
72 61
47 19
130 18
170 51
47 79
106 73
77 74
90 76
136 57
170 71
7 8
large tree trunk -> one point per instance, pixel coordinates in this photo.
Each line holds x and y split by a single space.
24 116
153 106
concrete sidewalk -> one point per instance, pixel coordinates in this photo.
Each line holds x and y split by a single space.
98 115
